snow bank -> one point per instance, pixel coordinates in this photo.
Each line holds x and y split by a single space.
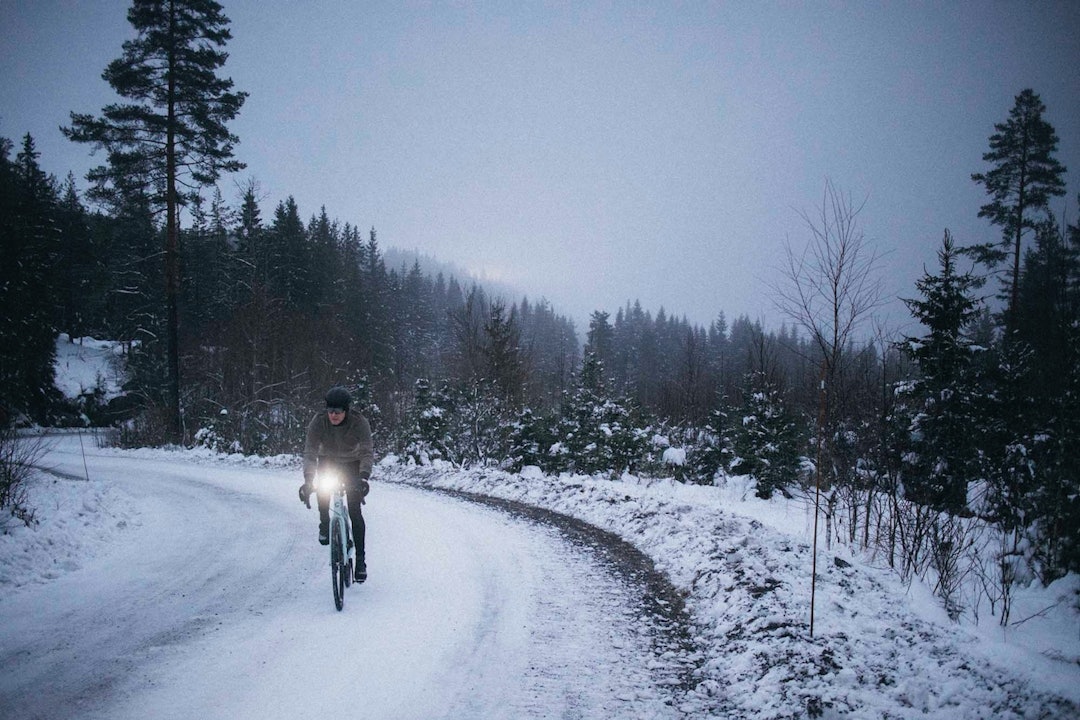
84 365
75 520
879 649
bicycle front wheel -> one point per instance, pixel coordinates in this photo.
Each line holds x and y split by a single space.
337 565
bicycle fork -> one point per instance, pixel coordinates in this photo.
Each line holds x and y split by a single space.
340 515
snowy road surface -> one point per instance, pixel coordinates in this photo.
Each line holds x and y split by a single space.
216 603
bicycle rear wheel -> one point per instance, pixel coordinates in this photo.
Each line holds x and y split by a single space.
337 565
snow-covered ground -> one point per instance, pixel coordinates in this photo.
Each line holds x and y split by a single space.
881 649
177 585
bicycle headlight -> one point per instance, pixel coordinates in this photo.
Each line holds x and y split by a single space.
327 480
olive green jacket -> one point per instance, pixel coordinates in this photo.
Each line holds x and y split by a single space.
348 442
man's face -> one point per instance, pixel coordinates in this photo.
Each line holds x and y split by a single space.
337 415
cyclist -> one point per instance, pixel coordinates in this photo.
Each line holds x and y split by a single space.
340 439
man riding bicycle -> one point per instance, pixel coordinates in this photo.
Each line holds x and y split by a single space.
340 439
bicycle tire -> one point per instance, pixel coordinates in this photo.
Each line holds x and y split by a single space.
337 566
348 560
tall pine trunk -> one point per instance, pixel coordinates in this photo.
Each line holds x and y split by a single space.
172 233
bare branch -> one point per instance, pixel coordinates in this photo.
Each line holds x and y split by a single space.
832 285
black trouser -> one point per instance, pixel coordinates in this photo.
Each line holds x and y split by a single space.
353 497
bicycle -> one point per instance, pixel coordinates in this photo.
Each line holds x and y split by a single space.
342 551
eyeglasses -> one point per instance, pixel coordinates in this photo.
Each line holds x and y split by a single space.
336 411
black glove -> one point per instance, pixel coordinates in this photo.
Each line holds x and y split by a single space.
365 488
305 493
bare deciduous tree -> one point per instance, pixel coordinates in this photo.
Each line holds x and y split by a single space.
828 289
831 286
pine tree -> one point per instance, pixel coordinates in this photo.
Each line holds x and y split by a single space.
172 135
1024 176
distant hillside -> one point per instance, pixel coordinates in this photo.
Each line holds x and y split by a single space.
396 259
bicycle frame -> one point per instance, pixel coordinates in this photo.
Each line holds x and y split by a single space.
342 550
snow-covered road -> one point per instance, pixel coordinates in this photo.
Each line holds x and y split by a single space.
216 603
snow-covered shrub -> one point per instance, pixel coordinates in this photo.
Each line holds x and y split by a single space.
466 425
600 436
529 440
709 454
597 433
18 455
765 440
219 436
675 460
424 435
147 428
480 427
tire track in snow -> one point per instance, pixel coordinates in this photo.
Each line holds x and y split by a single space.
636 593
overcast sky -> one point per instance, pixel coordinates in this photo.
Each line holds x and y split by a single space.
599 152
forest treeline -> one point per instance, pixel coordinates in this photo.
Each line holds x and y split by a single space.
274 311
952 454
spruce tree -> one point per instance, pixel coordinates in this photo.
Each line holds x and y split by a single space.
711 453
506 368
29 252
765 440
1049 323
1046 309
529 441
1058 545
375 328
601 337
130 244
170 138
943 459
415 351
250 256
207 276
324 237
597 433
290 261
426 430
81 268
